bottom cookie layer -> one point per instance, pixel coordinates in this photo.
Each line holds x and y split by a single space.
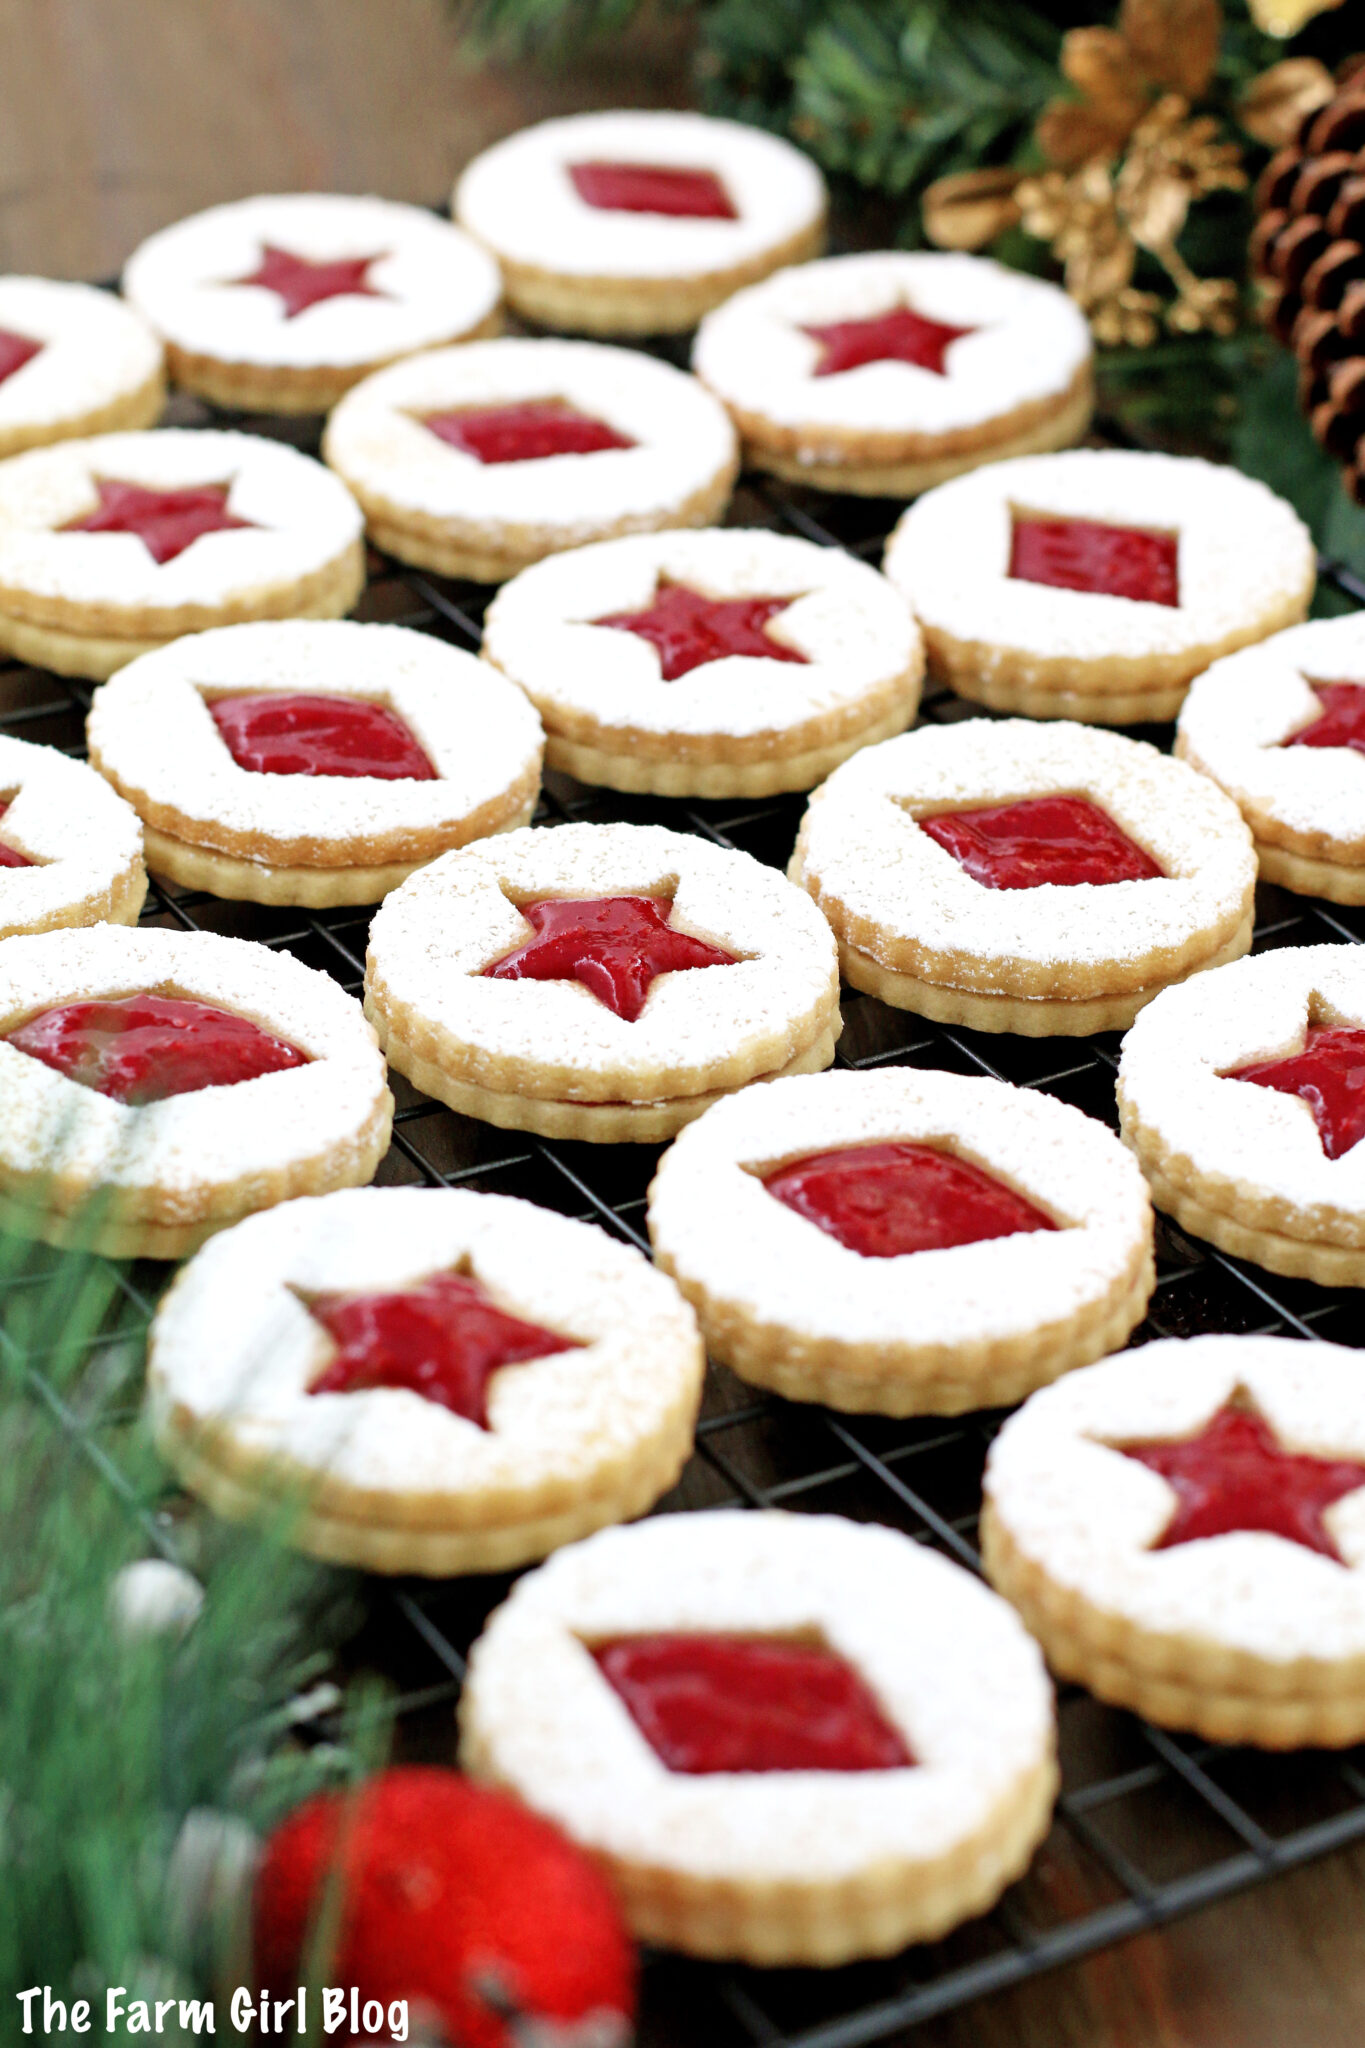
281 388
1030 1018
1299 1258
1178 1681
1307 877
638 775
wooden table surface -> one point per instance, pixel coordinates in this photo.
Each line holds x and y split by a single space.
117 116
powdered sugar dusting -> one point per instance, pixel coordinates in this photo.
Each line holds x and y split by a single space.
518 196
431 284
95 351
714 1220
1030 344
376 438
947 1661
1260 1143
1089 1516
863 846
303 519
1241 711
81 837
49 1124
1242 552
234 1343
854 629
153 733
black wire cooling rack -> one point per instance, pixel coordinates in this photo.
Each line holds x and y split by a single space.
1148 1827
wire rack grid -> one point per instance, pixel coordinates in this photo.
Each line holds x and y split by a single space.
1148 1826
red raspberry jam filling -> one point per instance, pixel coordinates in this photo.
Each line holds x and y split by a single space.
689 628
749 1703
299 283
1084 554
8 857
903 336
15 351
143 1048
1060 839
1329 1075
1236 1474
443 1339
883 1200
614 945
652 188
525 433
166 522
316 735
1342 723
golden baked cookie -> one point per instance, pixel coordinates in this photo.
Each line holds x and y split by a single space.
1281 727
156 1086
113 546
429 1381
70 850
313 762
788 1739
281 302
1097 584
1044 879
1183 1530
883 374
636 222
477 461
604 982
73 361
1241 1096
723 663
902 1242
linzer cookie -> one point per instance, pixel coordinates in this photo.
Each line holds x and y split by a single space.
313 763
786 1738
605 982
1281 727
477 461
884 374
70 850
726 663
73 361
1097 584
156 1086
281 303
113 546
431 1382
1243 1097
1183 1530
902 1242
638 223
1045 879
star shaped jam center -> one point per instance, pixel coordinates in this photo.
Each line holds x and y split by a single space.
1237 1475
901 336
525 432
689 628
165 521
274 734
143 1048
1086 554
885 1200
15 351
299 283
1329 1075
9 856
614 945
709 1703
443 1339
1340 723
1065 840
652 188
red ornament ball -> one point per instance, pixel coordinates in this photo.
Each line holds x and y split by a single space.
456 1899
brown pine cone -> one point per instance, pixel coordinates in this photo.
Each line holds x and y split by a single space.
1308 252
